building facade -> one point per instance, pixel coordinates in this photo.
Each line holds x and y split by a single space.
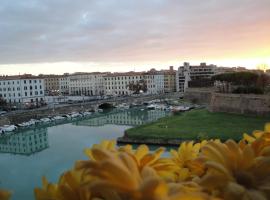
169 80
155 82
119 83
51 83
25 89
87 84
187 73
64 82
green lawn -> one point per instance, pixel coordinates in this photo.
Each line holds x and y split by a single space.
199 124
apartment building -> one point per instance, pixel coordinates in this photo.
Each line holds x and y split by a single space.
51 83
64 82
23 89
155 82
88 84
169 80
187 73
119 83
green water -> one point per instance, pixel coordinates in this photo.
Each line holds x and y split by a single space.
50 150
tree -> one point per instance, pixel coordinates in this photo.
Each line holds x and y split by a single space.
138 86
3 103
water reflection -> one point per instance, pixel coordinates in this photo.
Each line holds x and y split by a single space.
128 117
25 142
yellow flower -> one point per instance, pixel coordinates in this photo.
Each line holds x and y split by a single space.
119 177
71 186
260 141
105 144
47 192
235 173
5 195
186 159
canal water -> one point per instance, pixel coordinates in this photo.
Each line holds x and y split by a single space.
50 150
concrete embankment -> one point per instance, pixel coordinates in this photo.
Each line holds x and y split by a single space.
156 141
26 115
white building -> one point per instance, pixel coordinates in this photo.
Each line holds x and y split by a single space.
188 73
64 82
155 82
88 84
118 83
22 89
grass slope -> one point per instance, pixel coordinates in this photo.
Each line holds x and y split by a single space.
199 124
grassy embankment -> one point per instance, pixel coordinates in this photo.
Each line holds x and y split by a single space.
199 124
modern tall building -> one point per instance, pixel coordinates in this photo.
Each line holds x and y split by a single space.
169 80
23 89
187 73
88 84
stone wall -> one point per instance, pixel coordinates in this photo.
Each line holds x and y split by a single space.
240 103
198 95
232 103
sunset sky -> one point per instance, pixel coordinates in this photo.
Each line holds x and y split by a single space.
57 36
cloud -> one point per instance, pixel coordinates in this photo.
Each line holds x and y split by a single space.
34 31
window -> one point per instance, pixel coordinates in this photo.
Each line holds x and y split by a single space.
31 93
24 81
30 81
41 92
25 94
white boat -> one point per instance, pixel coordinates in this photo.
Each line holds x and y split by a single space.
67 116
152 106
123 106
75 115
87 113
24 124
180 108
45 120
9 128
58 118
100 110
34 121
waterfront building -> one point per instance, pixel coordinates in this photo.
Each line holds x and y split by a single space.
51 83
23 89
64 82
169 80
187 73
87 84
26 142
155 82
120 83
